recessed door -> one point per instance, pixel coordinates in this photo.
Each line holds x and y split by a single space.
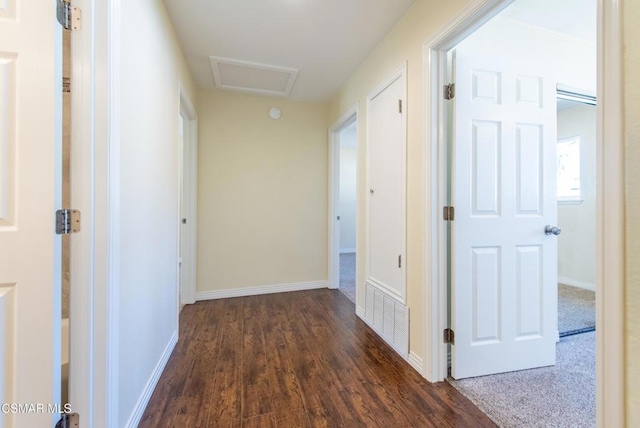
504 265
30 185
386 199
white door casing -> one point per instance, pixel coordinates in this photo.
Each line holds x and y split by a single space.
386 207
182 239
333 256
504 267
30 192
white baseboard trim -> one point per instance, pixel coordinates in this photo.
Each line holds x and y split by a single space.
141 406
360 312
415 362
576 283
263 289
347 250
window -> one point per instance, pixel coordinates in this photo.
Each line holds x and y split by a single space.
568 152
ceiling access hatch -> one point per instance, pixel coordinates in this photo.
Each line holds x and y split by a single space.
251 77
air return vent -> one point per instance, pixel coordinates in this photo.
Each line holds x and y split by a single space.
388 317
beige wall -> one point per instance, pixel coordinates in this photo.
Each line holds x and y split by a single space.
151 65
262 192
631 13
403 43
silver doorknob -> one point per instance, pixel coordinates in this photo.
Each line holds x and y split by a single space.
549 230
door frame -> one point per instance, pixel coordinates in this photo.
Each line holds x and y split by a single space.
349 117
95 181
610 372
189 199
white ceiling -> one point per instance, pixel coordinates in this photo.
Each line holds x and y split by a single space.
326 40
575 18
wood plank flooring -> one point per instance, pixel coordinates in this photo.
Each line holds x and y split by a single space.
300 359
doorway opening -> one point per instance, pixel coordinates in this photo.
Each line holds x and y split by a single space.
348 209
502 176
576 174
343 202
188 158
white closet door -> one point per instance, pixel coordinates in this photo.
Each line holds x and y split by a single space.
387 181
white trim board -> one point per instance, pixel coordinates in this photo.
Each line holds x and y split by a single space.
141 405
262 289
577 283
416 362
347 251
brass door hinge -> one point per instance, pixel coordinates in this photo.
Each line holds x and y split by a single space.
448 213
449 336
449 91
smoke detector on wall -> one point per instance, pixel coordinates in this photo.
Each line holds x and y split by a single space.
275 113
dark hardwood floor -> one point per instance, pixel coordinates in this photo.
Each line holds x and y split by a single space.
300 359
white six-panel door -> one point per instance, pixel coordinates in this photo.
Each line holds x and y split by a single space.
504 267
30 136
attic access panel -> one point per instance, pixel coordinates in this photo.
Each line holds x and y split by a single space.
252 77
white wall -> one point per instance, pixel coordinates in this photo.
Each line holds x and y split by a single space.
348 189
151 66
570 61
577 243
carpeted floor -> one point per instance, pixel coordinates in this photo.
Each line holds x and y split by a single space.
559 396
348 275
576 308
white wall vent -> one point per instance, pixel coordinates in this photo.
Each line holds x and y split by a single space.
251 77
388 317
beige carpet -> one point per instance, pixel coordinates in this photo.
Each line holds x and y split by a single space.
561 396
576 308
348 275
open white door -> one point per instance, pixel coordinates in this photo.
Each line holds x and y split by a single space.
30 268
504 266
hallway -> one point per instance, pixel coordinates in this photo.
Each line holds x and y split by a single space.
298 359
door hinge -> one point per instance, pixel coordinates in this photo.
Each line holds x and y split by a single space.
67 221
400 261
449 91
70 17
449 336
448 213
69 420
399 106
